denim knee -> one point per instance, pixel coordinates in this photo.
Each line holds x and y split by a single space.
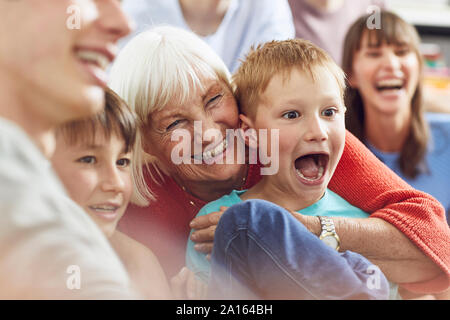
254 213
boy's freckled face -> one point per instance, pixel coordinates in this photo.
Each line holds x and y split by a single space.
309 114
97 177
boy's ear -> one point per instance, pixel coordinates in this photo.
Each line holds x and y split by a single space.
245 122
249 133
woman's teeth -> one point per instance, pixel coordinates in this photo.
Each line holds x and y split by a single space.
94 57
390 84
319 174
105 208
208 155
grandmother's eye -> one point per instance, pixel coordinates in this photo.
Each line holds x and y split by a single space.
214 99
173 124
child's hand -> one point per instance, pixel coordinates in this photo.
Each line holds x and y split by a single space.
205 227
185 286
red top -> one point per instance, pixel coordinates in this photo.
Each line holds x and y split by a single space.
360 178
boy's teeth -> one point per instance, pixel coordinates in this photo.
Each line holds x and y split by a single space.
101 60
319 174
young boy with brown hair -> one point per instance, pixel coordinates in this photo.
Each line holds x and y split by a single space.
93 159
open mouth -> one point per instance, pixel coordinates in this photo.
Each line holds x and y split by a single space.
105 211
92 57
95 63
390 85
311 167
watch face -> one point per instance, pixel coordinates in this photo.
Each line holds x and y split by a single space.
330 241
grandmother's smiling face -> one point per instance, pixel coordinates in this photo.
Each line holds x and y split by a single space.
213 109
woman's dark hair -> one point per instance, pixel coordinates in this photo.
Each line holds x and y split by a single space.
394 31
116 118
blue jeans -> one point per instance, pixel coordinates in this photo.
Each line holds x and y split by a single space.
262 252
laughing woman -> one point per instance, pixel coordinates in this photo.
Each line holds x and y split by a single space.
385 109
172 79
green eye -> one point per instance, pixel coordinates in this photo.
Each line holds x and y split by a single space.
291 115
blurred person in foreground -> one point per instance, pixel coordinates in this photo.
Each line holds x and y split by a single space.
49 247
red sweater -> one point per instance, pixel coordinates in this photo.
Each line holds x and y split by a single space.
360 178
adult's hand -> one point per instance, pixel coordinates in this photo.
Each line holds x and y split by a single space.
380 242
184 286
312 223
205 227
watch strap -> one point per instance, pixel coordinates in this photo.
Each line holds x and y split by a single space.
328 229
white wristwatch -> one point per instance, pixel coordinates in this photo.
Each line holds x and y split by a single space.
328 234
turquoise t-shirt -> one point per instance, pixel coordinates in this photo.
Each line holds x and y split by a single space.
330 205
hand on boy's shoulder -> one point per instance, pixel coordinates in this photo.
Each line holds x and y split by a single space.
142 265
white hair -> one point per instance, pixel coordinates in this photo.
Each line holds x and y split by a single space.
160 65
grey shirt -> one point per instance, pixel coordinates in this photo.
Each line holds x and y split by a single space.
49 247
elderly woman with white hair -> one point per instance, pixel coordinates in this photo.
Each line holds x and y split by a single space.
174 81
